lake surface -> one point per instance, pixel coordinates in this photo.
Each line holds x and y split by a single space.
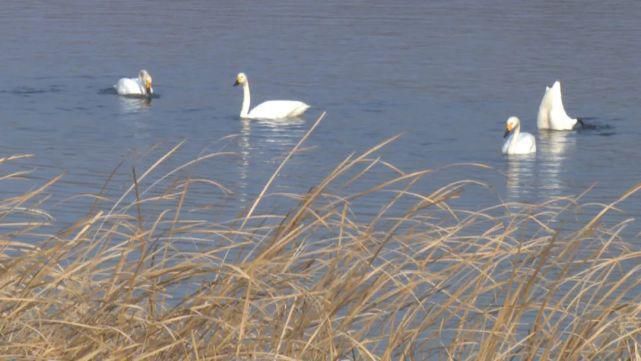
444 74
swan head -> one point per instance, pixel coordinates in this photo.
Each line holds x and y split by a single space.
241 79
146 80
511 124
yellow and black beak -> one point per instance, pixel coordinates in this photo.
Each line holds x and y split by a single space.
507 132
236 83
148 88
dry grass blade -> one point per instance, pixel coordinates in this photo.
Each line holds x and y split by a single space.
277 171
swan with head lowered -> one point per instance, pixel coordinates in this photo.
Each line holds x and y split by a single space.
140 86
272 109
552 114
517 142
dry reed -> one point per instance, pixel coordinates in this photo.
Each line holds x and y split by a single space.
411 279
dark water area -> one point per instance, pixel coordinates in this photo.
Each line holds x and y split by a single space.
444 74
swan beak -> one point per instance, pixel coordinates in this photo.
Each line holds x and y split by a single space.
508 129
236 83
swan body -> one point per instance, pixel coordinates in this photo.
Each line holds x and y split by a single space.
272 109
140 86
517 142
552 114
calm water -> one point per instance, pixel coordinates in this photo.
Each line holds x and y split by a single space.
446 74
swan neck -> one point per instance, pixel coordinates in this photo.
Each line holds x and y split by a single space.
244 110
515 136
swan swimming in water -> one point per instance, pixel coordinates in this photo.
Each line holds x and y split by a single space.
517 142
272 109
552 114
140 86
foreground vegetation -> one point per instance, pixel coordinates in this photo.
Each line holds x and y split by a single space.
411 279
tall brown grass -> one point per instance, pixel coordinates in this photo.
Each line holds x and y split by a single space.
412 278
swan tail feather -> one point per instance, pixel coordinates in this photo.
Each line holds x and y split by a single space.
300 110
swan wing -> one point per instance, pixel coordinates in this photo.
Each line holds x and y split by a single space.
559 118
527 143
128 86
555 92
524 144
543 118
278 109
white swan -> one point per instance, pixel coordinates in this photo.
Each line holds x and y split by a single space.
517 142
273 109
140 86
552 114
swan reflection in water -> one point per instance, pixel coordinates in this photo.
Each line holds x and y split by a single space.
244 143
134 113
134 104
263 144
521 177
555 147
534 178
